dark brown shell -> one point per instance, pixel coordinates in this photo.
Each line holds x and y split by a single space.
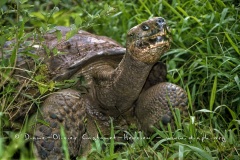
66 56
81 49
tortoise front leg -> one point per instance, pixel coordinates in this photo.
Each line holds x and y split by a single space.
65 108
154 104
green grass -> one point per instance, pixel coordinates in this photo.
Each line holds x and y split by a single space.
204 59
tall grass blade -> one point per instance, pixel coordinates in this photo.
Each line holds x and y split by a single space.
213 95
171 8
64 143
189 101
180 152
232 43
112 139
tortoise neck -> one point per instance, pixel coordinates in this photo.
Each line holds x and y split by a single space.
124 87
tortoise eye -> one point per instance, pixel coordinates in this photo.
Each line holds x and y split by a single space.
145 27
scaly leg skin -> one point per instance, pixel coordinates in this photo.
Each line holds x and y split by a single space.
154 105
64 108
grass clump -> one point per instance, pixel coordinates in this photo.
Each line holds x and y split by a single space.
204 59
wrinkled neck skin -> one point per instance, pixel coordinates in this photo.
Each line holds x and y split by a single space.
117 89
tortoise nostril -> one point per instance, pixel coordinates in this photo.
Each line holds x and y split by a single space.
160 22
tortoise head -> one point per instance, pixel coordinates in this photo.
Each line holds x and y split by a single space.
147 41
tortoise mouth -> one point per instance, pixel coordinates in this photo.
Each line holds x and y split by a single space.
153 41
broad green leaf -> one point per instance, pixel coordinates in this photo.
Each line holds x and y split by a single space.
78 21
42 89
38 15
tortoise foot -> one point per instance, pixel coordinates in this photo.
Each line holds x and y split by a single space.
66 109
155 104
